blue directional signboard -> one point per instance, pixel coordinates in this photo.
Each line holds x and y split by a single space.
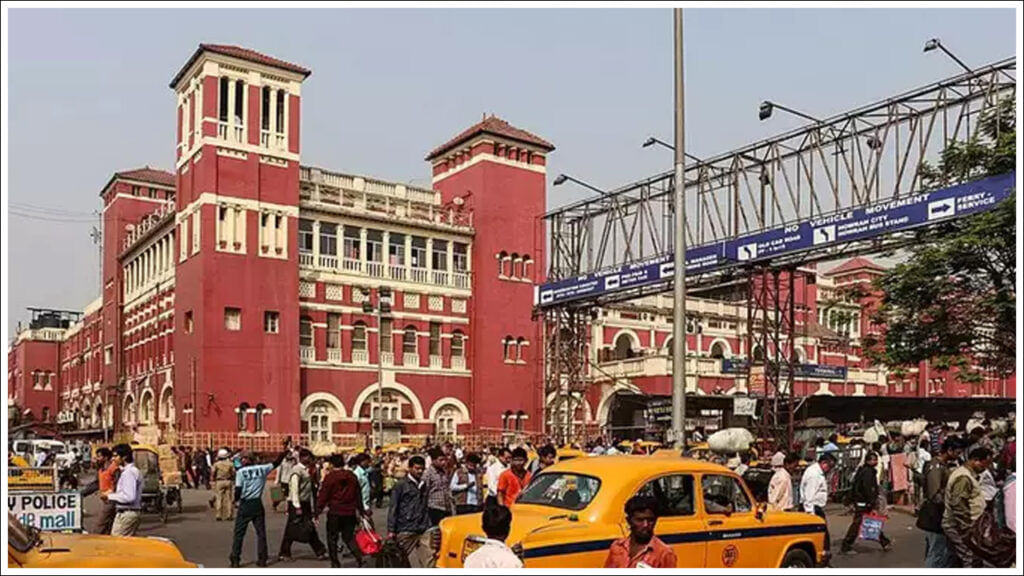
816 371
871 221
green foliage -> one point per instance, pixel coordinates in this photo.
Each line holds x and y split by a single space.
953 301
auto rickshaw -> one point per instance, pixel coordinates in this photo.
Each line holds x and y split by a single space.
157 495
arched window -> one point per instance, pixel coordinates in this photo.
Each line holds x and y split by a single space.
800 355
167 405
359 336
409 340
515 264
623 347
758 353
260 410
505 420
520 418
506 344
306 332
458 344
718 350
446 423
502 258
319 423
520 352
243 416
128 410
527 265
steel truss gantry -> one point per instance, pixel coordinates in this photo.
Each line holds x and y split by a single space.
872 154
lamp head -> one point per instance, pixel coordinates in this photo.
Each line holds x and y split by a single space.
931 45
764 112
649 142
560 180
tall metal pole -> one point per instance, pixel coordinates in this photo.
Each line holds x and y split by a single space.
380 373
679 296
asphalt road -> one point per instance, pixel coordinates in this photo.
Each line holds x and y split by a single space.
208 542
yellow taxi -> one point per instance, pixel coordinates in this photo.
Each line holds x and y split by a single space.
27 547
568 453
644 447
570 514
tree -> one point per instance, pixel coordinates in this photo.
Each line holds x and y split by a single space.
953 301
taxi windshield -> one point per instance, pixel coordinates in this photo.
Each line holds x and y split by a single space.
561 490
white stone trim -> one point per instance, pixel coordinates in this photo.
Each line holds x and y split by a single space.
723 342
488 157
396 314
449 401
245 203
389 384
331 399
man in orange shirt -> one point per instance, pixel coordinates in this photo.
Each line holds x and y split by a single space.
512 481
106 482
641 549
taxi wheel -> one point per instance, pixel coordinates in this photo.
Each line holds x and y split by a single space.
797 558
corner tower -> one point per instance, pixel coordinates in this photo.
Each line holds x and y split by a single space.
236 301
499 171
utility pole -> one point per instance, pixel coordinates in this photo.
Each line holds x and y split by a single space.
679 304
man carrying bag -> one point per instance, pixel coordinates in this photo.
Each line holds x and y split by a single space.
865 501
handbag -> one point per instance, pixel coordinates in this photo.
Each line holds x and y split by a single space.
991 542
300 529
871 526
368 541
392 556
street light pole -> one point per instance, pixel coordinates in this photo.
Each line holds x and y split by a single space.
380 373
679 296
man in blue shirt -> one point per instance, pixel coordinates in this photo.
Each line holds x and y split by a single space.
128 497
359 464
249 482
831 446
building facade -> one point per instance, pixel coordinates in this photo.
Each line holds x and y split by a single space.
247 296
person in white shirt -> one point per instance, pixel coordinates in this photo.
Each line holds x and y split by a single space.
128 497
780 489
41 458
494 472
494 553
814 490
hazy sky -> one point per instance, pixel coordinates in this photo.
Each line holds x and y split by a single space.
88 93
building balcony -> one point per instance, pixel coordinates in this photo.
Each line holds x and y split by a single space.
273 140
436 361
460 279
411 359
387 358
458 363
334 355
307 353
360 357
333 191
231 133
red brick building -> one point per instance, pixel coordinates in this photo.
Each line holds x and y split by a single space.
242 291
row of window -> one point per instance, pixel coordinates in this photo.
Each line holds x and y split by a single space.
410 336
514 266
513 349
401 249
150 192
42 380
149 266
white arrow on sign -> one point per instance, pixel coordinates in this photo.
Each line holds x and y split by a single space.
611 282
747 252
941 208
824 235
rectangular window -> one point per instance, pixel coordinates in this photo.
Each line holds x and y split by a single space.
305 235
239 103
188 322
135 190
265 109
419 252
152 193
223 108
239 228
351 243
271 320
195 231
386 339
333 331
266 232
305 332
396 249
279 233
280 111
328 238
222 225
374 246
440 254
461 256
108 355
233 319
435 338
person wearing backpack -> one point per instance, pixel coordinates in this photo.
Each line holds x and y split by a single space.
929 514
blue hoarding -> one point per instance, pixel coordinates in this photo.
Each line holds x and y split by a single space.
870 221
817 371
